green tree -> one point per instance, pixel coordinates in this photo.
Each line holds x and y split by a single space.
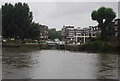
104 16
53 34
16 20
22 20
59 35
0 22
7 20
35 31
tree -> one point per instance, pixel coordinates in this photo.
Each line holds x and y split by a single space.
7 21
59 35
35 31
0 22
16 20
111 30
23 19
53 34
104 16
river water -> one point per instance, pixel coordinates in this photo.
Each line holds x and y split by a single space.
24 63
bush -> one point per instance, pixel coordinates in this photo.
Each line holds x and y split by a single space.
96 46
23 41
105 47
29 41
117 47
38 41
101 46
14 41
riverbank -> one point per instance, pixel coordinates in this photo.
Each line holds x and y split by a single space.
100 46
90 47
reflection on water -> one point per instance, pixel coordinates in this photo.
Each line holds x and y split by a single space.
108 66
0 62
21 63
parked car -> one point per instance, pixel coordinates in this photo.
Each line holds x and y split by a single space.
3 41
51 42
60 42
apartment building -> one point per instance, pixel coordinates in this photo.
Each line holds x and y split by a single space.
117 27
68 32
43 32
82 35
94 31
79 35
86 33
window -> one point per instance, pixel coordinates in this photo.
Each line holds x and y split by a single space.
116 22
93 34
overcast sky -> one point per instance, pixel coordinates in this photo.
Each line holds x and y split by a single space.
57 14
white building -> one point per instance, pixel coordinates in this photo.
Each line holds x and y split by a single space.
79 35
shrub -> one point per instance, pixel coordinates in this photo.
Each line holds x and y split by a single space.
93 46
117 47
23 41
105 47
14 41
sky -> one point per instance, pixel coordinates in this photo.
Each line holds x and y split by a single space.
57 14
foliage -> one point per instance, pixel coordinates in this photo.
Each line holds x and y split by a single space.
17 21
100 46
53 34
93 46
105 46
0 22
104 17
35 31
22 41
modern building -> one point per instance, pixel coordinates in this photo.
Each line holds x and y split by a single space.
82 35
117 27
94 31
79 35
68 32
43 32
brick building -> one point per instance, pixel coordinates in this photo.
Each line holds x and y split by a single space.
43 32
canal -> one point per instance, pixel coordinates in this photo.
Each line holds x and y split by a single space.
29 63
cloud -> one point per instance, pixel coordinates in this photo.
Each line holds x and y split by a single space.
74 8
57 14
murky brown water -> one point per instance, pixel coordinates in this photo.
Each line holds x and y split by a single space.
56 64
0 62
